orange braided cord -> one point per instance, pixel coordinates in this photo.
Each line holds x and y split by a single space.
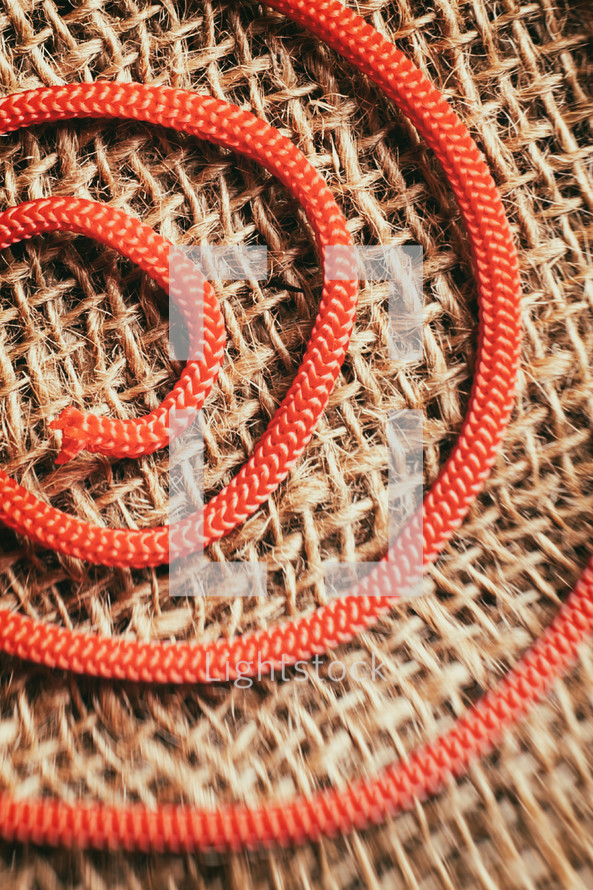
152 253
292 426
185 828
459 482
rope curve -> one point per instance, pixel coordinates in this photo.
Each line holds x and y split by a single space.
154 255
291 427
366 801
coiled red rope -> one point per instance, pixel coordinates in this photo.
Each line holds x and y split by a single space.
423 772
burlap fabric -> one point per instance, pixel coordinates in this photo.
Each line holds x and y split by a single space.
79 325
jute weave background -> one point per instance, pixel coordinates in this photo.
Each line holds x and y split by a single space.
78 325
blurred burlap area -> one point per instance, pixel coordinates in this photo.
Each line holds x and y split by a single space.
80 326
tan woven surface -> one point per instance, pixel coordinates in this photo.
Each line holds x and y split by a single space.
78 325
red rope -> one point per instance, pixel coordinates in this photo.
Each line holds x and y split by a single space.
445 506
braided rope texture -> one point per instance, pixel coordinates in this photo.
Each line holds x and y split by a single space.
487 415
429 616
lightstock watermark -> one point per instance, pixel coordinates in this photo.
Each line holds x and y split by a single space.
192 573
245 673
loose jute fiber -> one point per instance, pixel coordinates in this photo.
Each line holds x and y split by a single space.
80 326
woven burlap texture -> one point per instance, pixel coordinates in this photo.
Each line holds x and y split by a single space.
80 326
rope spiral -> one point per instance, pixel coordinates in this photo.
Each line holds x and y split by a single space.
178 828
